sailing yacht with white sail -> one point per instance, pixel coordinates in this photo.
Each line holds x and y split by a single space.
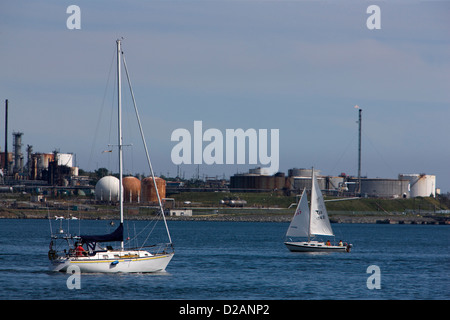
309 222
87 251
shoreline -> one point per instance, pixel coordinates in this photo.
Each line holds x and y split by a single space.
361 218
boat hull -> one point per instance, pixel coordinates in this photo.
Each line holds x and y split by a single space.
154 263
315 246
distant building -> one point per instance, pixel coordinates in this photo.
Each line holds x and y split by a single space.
178 212
407 185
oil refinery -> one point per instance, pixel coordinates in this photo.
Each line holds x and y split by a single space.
58 170
406 186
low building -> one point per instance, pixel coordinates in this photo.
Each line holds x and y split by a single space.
179 212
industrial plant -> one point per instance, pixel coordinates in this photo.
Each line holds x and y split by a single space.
406 186
56 170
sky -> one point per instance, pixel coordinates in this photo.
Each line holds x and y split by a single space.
296 66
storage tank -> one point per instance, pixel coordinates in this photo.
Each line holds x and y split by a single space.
295 172
260 171
305 182
43 160
131 189
107 189
383 188
65 159
333 183
148 189
420 185
74 171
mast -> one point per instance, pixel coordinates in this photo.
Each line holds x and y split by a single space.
310 206
119 107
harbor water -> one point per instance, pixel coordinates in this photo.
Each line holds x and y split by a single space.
241 260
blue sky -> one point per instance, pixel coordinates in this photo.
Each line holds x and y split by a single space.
296 66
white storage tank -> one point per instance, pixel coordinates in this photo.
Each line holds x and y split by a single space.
260 171
107 189
65 159
295 172
420 185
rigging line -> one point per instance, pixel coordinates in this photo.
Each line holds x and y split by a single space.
154 222
143 229
343 153
111 121
128 159
146 149
379 153
94 141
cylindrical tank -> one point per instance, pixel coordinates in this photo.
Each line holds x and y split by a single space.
305 182
65 159
295 172
383 188
261 171
420 185
107 189
333 183
44 159
148 189
131 189
74 171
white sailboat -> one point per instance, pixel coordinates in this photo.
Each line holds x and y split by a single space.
309 222
87 251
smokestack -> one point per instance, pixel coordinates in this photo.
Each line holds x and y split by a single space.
18 156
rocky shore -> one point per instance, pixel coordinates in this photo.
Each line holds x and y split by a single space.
378 219
236 216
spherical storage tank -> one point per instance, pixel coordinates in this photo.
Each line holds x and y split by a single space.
149 192
107 189
131 189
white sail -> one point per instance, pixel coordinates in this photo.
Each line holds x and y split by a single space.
320 224
310 222
300 221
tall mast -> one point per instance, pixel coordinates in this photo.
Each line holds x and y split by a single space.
313 194
119 106
359 152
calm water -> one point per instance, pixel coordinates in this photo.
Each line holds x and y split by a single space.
241 260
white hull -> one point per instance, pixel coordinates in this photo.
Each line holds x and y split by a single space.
100 263
315 246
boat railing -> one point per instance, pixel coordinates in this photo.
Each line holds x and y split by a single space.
160 248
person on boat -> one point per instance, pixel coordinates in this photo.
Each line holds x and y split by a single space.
328 243
340 243
79 251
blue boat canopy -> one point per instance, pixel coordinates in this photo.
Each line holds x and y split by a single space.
116 235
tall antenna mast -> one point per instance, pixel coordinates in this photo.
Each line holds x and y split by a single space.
359 149
6 138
